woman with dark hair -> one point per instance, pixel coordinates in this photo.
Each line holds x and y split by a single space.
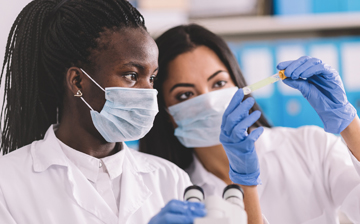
206 128
78 83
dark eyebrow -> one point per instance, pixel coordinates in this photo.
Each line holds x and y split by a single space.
134 64
215 74
182 84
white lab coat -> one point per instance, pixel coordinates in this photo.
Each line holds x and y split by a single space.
306 174
39 185
355 162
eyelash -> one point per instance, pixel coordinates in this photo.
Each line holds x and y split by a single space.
153 78
132 79
178 97
131 76
221 85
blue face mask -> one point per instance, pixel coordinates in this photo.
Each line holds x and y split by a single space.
128 113
199 119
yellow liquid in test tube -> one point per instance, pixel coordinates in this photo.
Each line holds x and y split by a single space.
274 78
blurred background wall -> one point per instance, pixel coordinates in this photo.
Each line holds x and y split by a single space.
261 33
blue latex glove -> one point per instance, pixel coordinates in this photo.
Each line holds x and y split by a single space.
323 89
238 145
180 212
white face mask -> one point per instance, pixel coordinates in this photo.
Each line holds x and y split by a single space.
128 113
199 119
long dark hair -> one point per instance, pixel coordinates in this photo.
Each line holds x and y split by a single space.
47 38
161 141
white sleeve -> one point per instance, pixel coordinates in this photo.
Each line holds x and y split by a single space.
343 180
355 162
5 216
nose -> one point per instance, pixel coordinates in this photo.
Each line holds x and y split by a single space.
203 90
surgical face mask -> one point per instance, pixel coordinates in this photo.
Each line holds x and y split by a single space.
128 113
199 119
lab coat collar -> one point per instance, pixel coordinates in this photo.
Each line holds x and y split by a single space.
269 141
198 172
87 164
112 163
134 192
48 152
211 184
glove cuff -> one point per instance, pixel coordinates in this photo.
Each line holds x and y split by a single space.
338 120
251 179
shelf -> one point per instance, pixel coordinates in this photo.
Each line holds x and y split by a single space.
277 25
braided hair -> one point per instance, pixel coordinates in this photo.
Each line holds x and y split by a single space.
47 38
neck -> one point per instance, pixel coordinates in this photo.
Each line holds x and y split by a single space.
215 161
71 133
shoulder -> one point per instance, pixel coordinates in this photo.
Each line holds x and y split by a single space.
309 132
17 162
315 141
305 139
314 136
302 129
16 157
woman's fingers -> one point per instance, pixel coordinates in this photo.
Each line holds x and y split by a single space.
318 69
292 65
302 85
305 67
240 130
255 134
238 114
283 65
308 65
235 101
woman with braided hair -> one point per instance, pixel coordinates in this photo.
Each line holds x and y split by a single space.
78 83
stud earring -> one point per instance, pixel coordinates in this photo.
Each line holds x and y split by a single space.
78 93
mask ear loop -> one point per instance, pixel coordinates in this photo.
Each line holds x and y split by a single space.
92 80
86 103
79 94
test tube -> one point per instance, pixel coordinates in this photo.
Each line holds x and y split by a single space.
274 78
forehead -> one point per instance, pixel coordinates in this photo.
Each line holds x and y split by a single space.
123 46
199 63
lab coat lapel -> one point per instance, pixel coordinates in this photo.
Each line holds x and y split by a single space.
134 191
48 153
88 198
263 147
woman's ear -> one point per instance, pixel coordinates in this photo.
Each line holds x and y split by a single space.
74 78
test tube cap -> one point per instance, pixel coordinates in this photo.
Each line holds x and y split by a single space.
282 74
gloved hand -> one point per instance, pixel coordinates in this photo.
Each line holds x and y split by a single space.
322 87
180 212
238 145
